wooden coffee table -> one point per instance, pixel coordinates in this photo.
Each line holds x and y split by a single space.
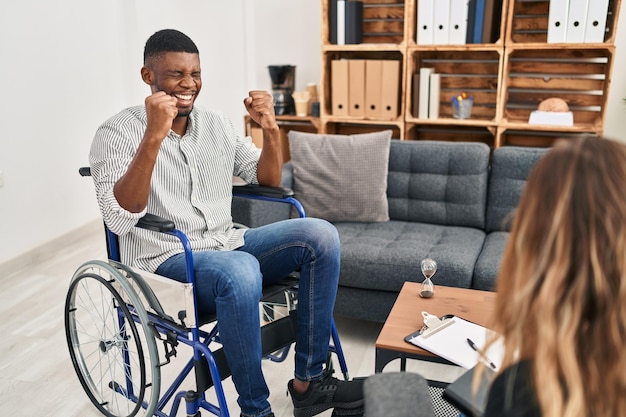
405 318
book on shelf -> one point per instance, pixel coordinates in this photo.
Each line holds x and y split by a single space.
416 94
433 96
424 89
483 21
471 19
479 21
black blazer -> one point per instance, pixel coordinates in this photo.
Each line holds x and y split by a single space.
512 394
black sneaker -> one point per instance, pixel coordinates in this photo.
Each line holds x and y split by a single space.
328 392
348 412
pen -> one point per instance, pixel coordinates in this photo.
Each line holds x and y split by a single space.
475 348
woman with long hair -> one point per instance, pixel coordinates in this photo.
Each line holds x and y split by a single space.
561 289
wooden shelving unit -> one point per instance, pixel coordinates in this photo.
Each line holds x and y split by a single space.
508 78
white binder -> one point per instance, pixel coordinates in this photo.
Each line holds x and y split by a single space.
557 21
425 12
441 22
458 21
576 20
595 28
424 100
433 96
341 22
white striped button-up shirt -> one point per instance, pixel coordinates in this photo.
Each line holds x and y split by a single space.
191 183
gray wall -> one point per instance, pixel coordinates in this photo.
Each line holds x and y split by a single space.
68 65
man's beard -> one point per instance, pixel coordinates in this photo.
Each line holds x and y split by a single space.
184 113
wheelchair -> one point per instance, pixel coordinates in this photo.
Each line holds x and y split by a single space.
123 326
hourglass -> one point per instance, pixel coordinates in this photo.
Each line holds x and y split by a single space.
429 267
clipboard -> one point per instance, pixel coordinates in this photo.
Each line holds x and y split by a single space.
448 336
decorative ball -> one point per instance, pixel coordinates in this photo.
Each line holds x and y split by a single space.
553 104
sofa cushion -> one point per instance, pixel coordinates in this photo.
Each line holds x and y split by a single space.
510 166
382 256
441 183
488 263
341 177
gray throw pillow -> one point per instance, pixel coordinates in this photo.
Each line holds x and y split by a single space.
341 177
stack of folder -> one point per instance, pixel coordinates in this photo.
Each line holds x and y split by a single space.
365 88
577 21
457 22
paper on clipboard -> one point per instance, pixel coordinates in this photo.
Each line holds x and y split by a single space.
450 342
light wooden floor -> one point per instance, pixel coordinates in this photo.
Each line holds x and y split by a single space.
36 374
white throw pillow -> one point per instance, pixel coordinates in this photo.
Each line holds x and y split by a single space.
341 177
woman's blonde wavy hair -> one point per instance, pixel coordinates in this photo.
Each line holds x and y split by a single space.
561 289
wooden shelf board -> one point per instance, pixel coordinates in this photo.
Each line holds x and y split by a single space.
453 122
577 128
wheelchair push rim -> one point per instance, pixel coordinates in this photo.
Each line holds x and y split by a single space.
112 348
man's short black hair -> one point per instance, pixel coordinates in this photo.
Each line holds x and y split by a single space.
167 40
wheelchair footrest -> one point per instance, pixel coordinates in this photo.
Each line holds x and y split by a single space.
279 333
203 375
274 336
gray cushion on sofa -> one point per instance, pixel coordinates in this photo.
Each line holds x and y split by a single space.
438 182
341 177
382 256
510 167
488 264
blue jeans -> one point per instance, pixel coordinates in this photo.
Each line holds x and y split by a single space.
230 283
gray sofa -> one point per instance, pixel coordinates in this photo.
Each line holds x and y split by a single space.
450 201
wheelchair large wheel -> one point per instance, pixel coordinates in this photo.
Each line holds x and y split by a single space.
112 347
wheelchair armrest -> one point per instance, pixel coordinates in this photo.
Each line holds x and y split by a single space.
262 190
155 223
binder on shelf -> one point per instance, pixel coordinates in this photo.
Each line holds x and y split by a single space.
373 87
390 90
433 100
576 20
488 20
479 19
337 15
424 89
441 22
595 28
557 21
356 90
346 22
458 21
425 19
354 22
471 16
339 87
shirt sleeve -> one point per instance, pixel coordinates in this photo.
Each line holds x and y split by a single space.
111 152
246 158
